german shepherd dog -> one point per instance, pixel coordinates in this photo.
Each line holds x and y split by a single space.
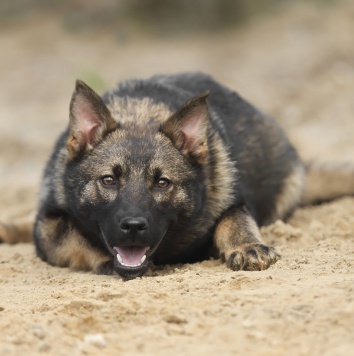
171 169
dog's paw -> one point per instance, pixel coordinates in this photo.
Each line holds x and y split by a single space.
105 268
254 257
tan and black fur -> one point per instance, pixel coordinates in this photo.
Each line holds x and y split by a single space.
163 170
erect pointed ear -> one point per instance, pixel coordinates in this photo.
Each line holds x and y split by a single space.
188 128
90 120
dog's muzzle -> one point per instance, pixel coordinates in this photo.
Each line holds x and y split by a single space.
133 248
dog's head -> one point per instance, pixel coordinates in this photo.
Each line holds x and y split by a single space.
134 181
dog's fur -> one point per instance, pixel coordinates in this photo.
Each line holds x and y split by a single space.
155 168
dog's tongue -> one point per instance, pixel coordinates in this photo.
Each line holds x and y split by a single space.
131 256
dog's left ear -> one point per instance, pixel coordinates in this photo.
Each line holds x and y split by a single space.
90 120
188 128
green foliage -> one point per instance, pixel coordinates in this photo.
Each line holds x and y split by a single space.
94 80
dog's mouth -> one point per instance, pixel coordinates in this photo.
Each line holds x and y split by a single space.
131 261
131 256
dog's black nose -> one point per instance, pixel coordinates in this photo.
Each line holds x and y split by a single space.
130 225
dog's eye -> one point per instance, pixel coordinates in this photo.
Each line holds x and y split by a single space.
108 180
163 183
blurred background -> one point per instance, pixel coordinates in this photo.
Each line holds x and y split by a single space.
292 59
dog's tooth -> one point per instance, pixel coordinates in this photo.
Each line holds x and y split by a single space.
120 260
126 265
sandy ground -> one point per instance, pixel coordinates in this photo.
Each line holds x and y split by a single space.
297 65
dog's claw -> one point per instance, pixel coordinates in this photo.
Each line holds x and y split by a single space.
255 257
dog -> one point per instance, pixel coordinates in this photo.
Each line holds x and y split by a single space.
171 169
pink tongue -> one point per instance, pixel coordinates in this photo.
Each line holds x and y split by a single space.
131 255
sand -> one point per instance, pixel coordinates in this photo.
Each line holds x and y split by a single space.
296 65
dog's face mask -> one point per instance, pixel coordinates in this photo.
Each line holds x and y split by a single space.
138 180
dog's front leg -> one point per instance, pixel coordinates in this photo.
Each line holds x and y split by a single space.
60 243
239 242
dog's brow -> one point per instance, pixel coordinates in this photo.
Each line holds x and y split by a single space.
117 170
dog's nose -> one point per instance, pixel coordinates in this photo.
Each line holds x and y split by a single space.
130 225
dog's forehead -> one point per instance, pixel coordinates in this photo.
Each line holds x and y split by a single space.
126 110
145 152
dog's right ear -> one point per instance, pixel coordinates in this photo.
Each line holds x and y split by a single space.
90 120
188 128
